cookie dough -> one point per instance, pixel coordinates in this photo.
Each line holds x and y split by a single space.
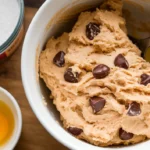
100 84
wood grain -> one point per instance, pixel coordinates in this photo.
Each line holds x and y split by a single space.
34 3
34 136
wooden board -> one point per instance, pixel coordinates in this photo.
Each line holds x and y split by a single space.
34 136
34 3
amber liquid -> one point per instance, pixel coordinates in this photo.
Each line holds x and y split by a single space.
6 123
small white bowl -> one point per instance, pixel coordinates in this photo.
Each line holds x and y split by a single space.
10 101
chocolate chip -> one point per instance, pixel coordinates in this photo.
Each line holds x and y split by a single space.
75 131
92 30
125 135
97 103
121 62
144 76
59 59
134 109
71 76
145 79
101 71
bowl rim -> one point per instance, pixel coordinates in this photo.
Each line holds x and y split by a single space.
19 115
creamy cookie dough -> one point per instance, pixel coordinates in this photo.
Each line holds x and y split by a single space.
99 81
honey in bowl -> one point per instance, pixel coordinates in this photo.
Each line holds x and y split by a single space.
6 123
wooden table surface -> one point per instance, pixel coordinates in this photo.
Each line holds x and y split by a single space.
34 136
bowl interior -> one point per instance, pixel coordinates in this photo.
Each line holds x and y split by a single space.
61 22
48 22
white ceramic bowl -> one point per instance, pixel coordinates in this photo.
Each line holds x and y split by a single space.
39 31
10 101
